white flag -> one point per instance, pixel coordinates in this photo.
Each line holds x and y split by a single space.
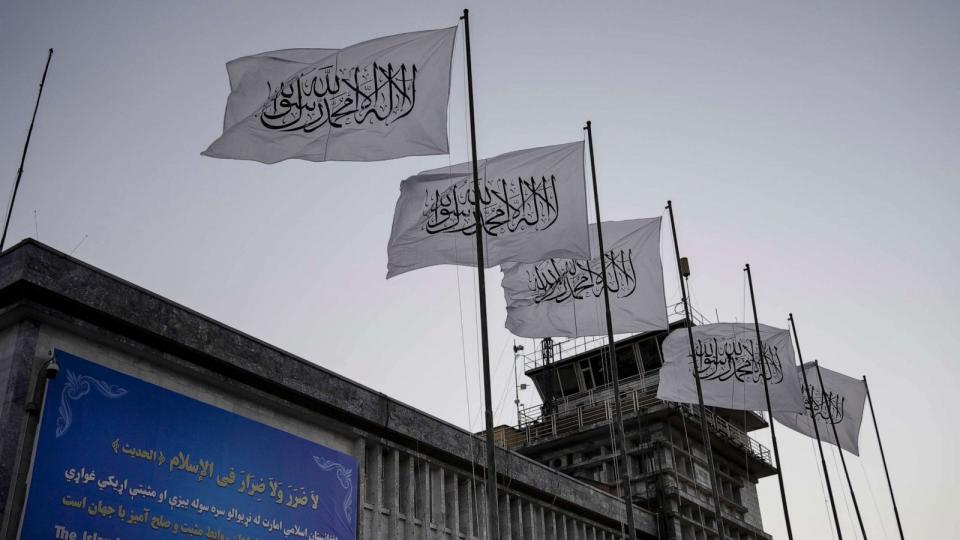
730 369
534 207
380 99
841 398
564 297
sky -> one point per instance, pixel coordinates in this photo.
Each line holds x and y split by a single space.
817 141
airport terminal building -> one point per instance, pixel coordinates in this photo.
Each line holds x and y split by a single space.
163 422
126 415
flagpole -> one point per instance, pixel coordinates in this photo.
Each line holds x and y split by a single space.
705 433
836 438
614 370
816 429
882 457
492 510
766 392
23 157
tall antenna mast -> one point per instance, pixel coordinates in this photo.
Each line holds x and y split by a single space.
23 157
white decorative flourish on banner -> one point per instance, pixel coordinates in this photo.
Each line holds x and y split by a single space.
345 477
75 388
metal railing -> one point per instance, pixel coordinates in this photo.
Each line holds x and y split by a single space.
596 407
727 431
565 348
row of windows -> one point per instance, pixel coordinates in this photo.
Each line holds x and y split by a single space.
428 496
592 372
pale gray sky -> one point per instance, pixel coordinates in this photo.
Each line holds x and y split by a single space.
818 141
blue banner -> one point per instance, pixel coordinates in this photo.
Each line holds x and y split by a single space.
120 458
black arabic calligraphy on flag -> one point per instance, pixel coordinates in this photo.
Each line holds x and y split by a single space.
508 206
731 368
380 99
566 280
837 404
563 297
327 96
532 202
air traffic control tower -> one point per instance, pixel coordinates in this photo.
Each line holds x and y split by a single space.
125 415
573 432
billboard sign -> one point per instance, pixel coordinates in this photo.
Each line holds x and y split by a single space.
120 458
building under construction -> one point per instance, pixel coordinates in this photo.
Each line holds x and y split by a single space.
573 432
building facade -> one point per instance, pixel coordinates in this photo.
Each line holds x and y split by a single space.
417 477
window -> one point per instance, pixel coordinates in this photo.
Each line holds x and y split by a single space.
599 371
626 362
650 354
587 374
568 380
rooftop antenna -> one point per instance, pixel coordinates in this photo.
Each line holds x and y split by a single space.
76 247
516 381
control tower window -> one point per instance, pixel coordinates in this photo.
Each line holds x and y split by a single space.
568 380
626 362
650 354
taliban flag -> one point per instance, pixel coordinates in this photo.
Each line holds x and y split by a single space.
731 374
533 205
840 400
380 99
564 297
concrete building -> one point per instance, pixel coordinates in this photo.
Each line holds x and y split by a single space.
572 432
419 477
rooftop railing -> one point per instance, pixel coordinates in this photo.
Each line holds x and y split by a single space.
568 347
594 408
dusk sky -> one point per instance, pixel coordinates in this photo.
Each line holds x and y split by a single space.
818 141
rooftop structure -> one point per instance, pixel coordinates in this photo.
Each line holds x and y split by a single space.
572 431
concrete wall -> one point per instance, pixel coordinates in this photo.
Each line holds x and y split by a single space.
750 499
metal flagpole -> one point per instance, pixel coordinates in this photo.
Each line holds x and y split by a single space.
516 381
704 432
614 370
766 392
23 157
882 457
493 529
836 438
816 429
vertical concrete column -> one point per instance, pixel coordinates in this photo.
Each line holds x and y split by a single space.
374 488
430 501
505 516
392 499
17 360
516 512
480 496
526 510
436 500
362 495
410 507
